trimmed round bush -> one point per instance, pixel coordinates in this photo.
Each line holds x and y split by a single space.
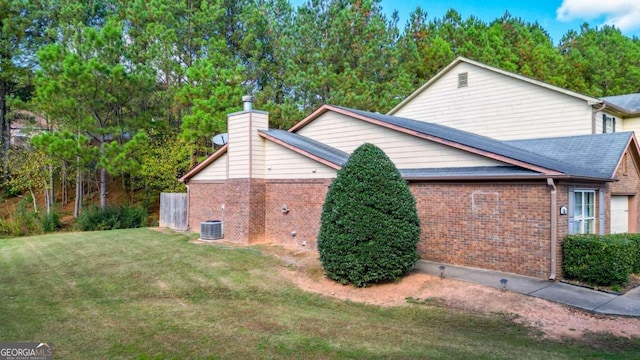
369 225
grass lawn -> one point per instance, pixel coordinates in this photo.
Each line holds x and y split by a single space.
145 294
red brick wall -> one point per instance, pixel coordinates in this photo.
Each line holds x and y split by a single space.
499 226
205 203
628 184
503 227
304 199
243 202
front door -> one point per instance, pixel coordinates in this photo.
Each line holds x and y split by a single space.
619 214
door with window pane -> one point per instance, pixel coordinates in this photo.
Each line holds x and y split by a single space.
584 212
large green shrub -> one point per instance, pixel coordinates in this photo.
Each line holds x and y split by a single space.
112 217
636 239
369 226
599 260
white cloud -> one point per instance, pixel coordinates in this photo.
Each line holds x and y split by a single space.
624 14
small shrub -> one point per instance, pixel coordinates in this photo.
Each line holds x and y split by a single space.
599 260
369 224
112 217
10 192
9 227
26 216
50 222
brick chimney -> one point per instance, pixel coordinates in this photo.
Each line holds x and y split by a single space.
245 196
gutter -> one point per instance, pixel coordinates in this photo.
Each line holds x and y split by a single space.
593 116
554 228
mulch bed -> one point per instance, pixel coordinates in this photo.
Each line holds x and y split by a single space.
634 281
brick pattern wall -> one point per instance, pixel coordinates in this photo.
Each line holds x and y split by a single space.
303 199
244 211
628 184
243 202
499 226
503 227
256 219
205 203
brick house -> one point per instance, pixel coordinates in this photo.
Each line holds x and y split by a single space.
502 203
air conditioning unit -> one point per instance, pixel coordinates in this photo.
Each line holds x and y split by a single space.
211 230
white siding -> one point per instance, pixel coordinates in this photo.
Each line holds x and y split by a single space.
259 121
243 140
283 163
499 106
598 118
217 170
406 151
630 124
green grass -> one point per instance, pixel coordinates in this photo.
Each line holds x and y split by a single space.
144 294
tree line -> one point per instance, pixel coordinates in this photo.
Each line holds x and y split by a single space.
135 89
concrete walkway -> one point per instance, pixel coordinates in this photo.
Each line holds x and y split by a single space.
591 300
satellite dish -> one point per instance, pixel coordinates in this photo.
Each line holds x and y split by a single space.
221 139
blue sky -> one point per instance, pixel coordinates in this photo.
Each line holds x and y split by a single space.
555 16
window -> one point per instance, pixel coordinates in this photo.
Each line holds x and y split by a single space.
584 214
608 124
463 80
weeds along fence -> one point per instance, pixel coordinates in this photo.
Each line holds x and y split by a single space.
173 211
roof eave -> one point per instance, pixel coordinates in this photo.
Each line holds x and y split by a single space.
196 169
296 149
426 85
321 110
506 178
478 177
619 110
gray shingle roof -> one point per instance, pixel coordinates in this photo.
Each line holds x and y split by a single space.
590 156
460 172
598 152
628 102
310 146
485 144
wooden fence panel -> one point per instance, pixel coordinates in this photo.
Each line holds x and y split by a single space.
173 211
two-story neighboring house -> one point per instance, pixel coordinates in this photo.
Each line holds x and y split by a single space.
623 110
502 168
484 100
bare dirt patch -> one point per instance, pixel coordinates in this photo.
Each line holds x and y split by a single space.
554 320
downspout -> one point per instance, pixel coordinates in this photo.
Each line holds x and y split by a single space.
554 228
593 117
188 207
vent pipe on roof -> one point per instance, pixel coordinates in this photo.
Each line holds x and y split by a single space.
247 102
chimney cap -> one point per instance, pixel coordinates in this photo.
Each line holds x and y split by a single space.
247 103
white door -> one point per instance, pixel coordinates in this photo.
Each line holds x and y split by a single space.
619 214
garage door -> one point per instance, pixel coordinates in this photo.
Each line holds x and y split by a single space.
619 214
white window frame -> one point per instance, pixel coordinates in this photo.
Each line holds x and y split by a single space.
583 222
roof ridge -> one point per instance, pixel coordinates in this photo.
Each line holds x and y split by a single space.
492 145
